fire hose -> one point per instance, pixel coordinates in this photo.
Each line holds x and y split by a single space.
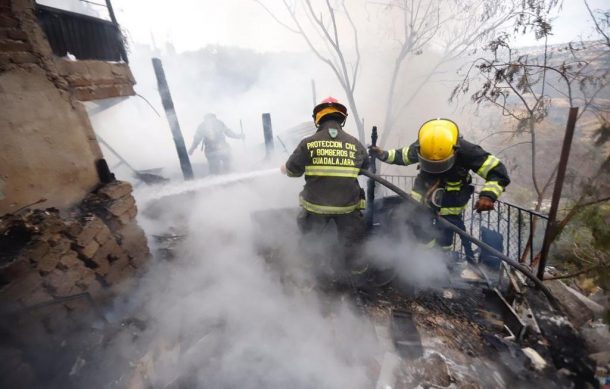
464 235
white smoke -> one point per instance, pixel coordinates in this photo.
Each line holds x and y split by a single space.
231 314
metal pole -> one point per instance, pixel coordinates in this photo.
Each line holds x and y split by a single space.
370 189
168 105
313 92
111 12
561 173
268 133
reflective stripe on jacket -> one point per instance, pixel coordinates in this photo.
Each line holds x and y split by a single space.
456 182
331 166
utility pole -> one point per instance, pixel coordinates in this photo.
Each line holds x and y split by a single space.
313 92
170 112
561 174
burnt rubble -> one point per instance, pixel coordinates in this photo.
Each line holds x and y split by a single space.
55 268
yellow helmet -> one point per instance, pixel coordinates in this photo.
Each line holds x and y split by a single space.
437 141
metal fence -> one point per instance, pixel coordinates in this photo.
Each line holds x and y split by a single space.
85 37
522 229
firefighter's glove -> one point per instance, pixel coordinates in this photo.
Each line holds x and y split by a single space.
484 203
378 152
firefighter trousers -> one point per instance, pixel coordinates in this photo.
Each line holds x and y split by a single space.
445 235
351 229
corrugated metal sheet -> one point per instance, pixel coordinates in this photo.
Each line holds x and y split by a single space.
83 36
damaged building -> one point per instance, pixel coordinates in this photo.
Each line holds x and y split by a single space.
224 307
67 227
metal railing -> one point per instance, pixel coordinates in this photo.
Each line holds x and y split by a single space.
522 229
84 36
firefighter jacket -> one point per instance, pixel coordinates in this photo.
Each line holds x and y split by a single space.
456 182
331 160
212 133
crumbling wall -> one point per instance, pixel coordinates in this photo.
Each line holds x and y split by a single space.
56 270
48 148
96 80
95 248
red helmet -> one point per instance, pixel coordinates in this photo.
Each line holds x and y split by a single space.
329 106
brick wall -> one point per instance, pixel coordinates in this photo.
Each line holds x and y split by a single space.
96 248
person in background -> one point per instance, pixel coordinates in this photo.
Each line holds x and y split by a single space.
444 182
331 160
212 133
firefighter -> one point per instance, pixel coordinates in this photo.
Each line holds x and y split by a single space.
444 182
212 133
331 160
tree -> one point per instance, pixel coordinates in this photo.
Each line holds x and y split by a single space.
452 27
323 26
524 87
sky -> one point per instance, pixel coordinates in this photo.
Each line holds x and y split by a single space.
193 24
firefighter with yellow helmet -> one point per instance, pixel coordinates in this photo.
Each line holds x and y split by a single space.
331 160
444 181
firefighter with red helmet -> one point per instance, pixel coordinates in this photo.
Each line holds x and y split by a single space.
331 160
444 181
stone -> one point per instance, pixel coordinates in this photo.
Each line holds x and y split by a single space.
71 68
103 235
119 271
123 72
17 35
89 250
48 221
116 190
126 218
87 280
133 212
59 245
36 250
11 45
23 58
60 283
48 262
69 260
78 81
109 251
122 205
98 69
92 226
